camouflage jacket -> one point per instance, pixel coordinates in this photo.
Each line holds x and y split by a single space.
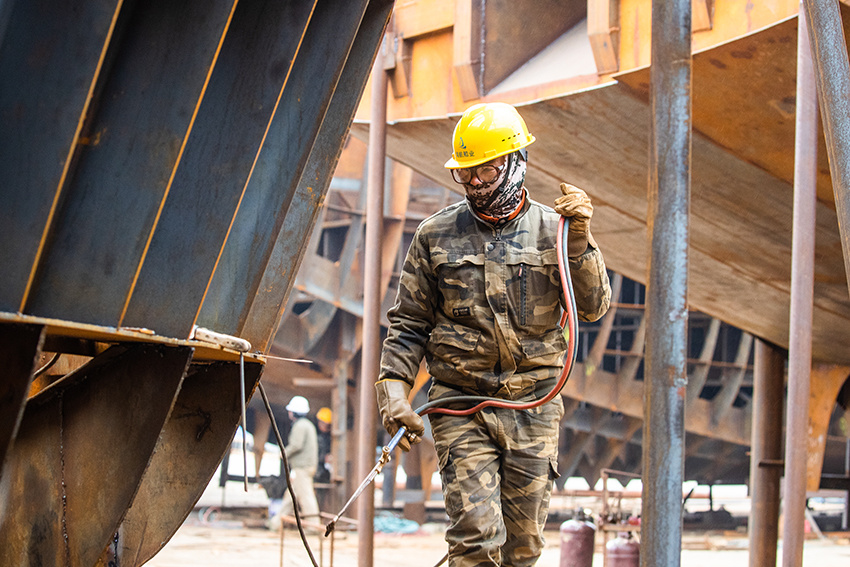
481 303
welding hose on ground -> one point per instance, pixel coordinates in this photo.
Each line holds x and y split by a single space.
286 472
569 317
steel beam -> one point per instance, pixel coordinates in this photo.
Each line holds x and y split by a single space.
270 193
699 375
51 55
82 447
257 55
723 402
802 294
194 439
613 449
832 73
593 360
20 347
766 454
667 291
569 463
339 434
629 368
266 306
159 67
372 292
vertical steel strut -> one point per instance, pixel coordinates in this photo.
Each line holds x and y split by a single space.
667 292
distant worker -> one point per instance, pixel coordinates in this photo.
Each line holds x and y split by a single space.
324 419
302 453
479 297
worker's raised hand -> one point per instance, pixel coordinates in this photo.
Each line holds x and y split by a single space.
575 205
396 411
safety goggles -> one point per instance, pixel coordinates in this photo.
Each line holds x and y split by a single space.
486 173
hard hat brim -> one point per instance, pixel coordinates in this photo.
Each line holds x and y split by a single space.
454 164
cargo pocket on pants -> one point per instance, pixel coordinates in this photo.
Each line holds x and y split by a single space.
553 469
451 488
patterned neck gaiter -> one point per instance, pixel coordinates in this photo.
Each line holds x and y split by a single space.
499 202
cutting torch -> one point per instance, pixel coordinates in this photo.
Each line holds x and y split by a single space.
386 453
569 320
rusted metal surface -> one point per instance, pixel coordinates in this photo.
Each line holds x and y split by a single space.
802 292
193 441
112 198
118 214
740 208
667 287
279 166
766 460
95 337
51 56
506 46
20 347
825 403
832 71
372 295
251 70
164 164
82 447
720 100
267 305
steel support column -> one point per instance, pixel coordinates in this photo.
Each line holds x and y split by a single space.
832 70
339 434
20 347
667 293
766 455
192 442
371 356
82 447
802 293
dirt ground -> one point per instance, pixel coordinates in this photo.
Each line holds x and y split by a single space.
228 542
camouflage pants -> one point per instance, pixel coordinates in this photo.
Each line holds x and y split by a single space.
497 467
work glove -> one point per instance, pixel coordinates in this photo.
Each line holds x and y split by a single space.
396 411
575 205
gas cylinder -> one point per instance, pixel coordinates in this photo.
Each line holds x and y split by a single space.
577 535
623 551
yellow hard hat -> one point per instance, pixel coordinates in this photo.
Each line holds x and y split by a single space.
486 131
325 415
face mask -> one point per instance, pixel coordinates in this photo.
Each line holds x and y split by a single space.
500 201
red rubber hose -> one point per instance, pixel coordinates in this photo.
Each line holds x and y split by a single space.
568 317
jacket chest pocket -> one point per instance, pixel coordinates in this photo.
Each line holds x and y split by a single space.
462 284
534 288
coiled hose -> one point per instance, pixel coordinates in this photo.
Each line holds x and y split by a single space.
569 317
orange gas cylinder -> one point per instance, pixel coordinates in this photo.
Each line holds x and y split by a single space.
623 551
577 535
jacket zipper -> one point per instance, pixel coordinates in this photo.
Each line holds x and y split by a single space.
522 294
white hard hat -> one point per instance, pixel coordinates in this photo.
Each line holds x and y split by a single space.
298 404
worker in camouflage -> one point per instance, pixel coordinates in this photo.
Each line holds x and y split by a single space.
480 299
